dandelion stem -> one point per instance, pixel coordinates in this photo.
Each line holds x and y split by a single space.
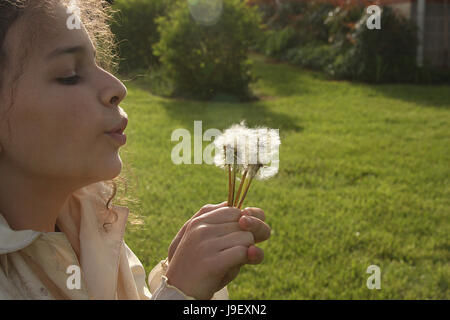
229 201
229 186
233 185
253 173
244 175
245 191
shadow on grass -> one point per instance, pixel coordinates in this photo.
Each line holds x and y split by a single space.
427 95
283 80
222 115
223 112
287 79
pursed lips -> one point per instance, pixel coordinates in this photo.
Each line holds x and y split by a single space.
120 128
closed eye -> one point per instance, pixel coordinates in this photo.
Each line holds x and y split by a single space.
69 81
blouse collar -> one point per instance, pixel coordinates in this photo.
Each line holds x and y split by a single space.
95 234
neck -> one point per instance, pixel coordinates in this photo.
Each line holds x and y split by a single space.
31 202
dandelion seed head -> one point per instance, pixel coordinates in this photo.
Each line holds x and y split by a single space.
230 142
254 150
267 172
219 157
266 153
251 147
253 170
275 141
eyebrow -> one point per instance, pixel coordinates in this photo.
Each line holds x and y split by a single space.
68 50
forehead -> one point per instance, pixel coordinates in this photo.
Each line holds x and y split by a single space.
43 30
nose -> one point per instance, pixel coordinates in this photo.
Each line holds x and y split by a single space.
114 92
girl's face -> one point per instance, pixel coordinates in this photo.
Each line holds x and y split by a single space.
63 105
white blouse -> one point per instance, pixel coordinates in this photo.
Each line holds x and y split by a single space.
84 261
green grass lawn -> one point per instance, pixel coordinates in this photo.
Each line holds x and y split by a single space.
364 180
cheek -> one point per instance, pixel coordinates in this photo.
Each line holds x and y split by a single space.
55 131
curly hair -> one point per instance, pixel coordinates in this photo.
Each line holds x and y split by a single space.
95 15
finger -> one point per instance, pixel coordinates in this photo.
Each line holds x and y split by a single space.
232 257
209 207
255 255
239 238
255 212
220 215
205 209
219 230
260 230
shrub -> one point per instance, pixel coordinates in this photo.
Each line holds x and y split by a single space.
314 56
278 14
341 22
385 55
205 60
312 23
291 24
277 42
135 29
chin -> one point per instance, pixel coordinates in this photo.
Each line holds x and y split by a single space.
110 169
115 168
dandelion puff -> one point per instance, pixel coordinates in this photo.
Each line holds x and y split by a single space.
231 154
247 144
251 152
269 154
266 152
220 156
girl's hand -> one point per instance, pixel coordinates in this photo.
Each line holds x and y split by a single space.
176 241
210 249
255 224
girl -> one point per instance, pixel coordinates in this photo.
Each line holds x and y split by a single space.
60 132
